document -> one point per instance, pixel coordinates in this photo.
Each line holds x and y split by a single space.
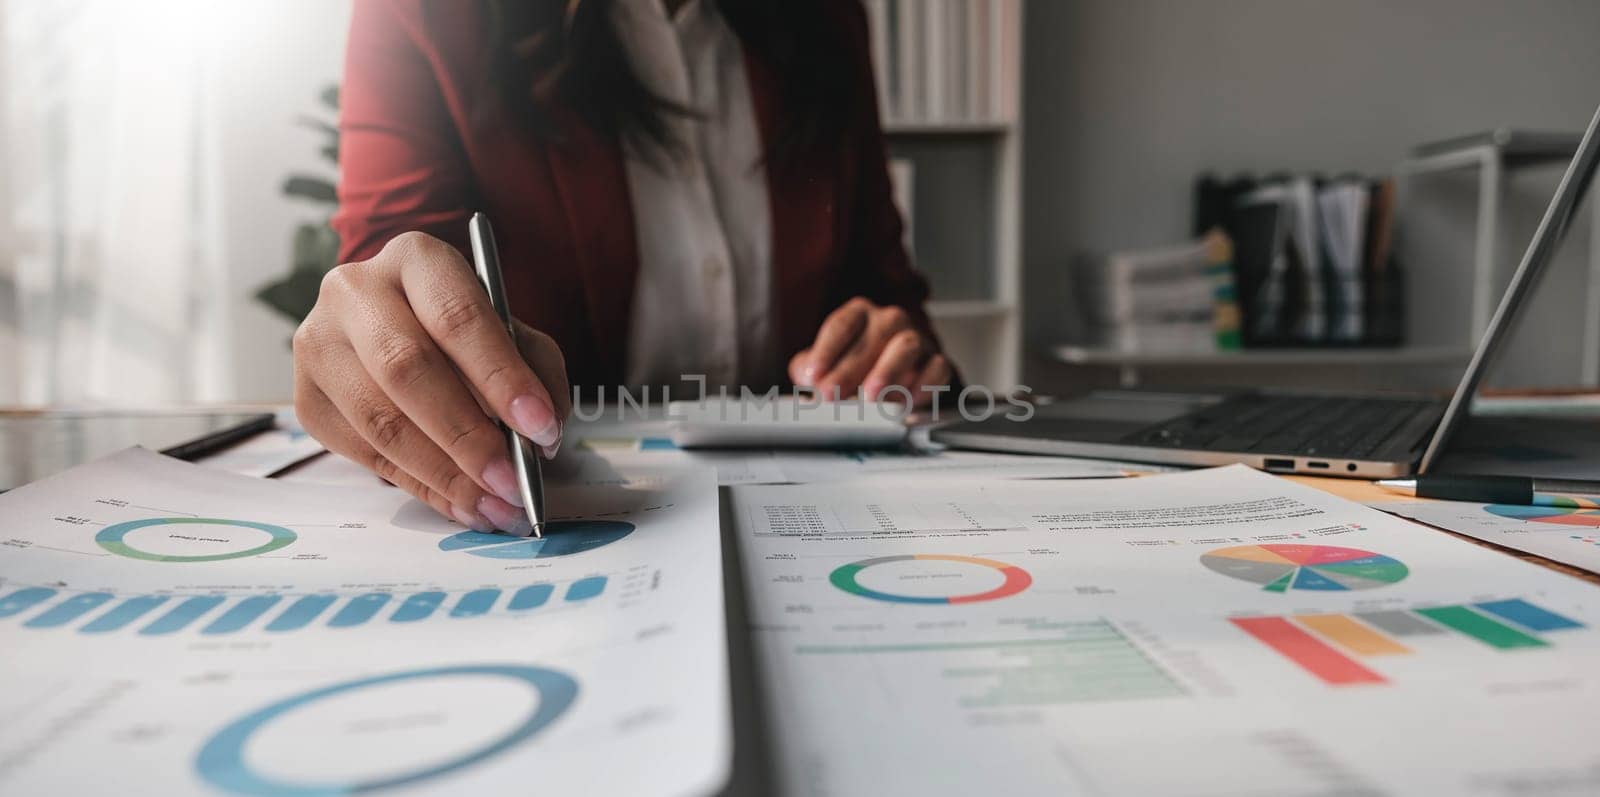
170 629
1219 632
1570 535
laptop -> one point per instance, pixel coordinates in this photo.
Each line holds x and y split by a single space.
1320 434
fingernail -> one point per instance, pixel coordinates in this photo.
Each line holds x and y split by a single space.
502 479
872 391
535 419
504 516
550 451
470 519
809 374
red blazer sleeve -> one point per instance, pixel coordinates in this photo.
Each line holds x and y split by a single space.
876 247
402 166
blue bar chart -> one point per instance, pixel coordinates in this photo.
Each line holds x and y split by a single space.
215 615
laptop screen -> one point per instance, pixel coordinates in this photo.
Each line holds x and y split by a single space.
1552 228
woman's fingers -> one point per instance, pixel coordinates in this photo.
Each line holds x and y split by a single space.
848 372
839 332
403 365
898 364
797 367
541 352
864 347
381 424
324 421
422 383
450 304
936 373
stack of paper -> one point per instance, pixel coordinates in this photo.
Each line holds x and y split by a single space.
170 629
1220 632
1172 300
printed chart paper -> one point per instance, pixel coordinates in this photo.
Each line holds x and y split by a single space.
170 629
1567 534
1220 632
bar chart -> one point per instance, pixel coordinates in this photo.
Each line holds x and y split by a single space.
1330 646
211 615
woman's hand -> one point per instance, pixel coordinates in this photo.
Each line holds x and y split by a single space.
399 367
862 346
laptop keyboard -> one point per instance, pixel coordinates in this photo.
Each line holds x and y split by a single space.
1350 428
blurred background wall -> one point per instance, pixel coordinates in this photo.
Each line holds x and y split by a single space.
1126 101
145 147
142 153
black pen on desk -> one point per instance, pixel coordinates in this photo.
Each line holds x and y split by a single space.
524 459
1572 493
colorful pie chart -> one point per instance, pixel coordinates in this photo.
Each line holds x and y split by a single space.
1558 515
953 568
1322 568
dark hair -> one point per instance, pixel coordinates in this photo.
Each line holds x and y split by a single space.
550 53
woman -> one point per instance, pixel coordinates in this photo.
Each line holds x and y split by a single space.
678 187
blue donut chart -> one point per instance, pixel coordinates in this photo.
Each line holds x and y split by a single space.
111 538
221 761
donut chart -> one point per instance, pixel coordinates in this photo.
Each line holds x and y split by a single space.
1555 515
561 538
1317 568
223 761
847 579
112 538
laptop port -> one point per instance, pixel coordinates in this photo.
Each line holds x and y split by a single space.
1315 464
1277 464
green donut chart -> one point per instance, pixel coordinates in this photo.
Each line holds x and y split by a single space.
223 762
112 538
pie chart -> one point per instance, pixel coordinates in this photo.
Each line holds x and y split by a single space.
561 538
1558 515
1322 568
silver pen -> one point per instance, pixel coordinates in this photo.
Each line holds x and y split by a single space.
524 459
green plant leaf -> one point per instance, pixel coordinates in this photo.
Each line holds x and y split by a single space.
330 96
313 188
292 296
314 123
316 248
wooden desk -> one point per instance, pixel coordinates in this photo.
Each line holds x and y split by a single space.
1362 491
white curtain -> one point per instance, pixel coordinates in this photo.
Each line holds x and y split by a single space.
109 263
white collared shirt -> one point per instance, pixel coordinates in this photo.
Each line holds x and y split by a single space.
702 301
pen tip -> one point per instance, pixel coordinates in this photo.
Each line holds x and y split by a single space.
538 531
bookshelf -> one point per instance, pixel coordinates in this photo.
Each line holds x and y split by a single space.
1464 274
949 80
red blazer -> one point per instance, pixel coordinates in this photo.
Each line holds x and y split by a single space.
419 152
